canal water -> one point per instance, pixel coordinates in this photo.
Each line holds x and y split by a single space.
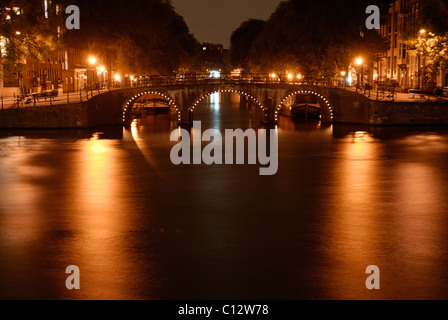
110 201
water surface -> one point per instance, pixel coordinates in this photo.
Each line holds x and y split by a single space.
110 201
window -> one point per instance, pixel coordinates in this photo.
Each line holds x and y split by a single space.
66 60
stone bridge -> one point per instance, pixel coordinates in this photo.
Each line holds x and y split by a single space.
270 98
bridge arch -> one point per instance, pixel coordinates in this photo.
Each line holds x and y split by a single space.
243 93
325 102
127 108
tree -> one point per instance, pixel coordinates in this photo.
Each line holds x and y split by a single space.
23 35
434 48
241 41
315 38
139 36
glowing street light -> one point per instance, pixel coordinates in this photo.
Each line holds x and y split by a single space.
422 31
343 73
273 76
117 77
360 74
290 76
92 60
101 69
299 76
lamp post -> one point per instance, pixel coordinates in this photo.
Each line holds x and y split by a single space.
92 61
421 66
343 78
359 63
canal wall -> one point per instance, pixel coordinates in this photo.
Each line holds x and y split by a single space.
60 116
351 107
104 109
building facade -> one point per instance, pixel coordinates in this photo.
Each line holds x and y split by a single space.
65 69
401 63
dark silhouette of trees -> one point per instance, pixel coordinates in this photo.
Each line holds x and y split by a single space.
242 39
434 16
315 38
138 36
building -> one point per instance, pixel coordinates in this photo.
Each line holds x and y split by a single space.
213 56
401 62
64 69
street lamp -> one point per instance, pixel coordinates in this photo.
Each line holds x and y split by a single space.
117 78
359 63
421 67
92 60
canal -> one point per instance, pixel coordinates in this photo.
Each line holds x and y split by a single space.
111 202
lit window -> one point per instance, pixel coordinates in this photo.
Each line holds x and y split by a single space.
46 8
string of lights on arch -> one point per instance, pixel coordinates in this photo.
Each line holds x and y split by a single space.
227 91
130 102
330 108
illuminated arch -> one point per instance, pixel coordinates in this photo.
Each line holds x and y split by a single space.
226 91
326 102
128 106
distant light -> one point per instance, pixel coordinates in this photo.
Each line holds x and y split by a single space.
117 77
204 48
215 74
101 69
132 78
359 61
18 33
273 75
422 31
349 80
342 73
290 76
92 60
299 76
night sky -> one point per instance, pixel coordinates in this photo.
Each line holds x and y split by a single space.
215 20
